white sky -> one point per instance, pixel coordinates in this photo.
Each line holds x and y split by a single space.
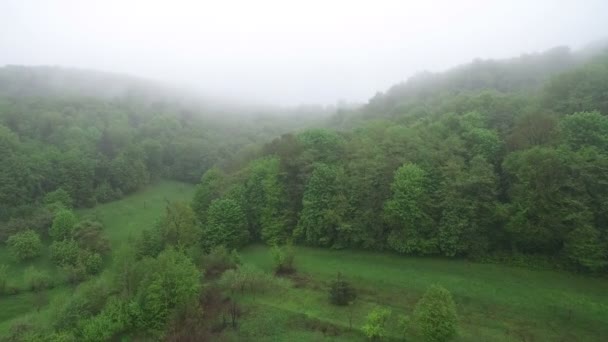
288 52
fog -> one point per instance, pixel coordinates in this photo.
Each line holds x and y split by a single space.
288 52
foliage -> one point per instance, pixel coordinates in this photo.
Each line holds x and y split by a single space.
218 260
585 247
178 227
226 225
63 225
435 315
24 245
412 225
375 326
341 292
3 278
65 252
283 258
36 280
59 196
172 284
90 236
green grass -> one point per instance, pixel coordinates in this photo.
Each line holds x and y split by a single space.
495 302
121 219
130 215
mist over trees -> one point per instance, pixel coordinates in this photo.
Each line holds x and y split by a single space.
501 161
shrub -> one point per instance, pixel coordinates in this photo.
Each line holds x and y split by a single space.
89 235
36 280
92 263
219 260
24 245
63 224
65 252
283 257
3 279
341 292
74 273
375 327
435 315
60 197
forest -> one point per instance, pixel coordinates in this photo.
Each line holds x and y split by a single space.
496 163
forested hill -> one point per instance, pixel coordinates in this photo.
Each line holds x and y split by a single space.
100 136
515 173
428 92
46 81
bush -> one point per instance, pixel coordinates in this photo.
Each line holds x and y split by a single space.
435 315
89 235
3 279
63 224
341 292
65 252
93 263
375 328
60 197
75 273
219 260
283 257
25 245
36 280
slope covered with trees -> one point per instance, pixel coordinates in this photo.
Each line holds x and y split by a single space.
498 161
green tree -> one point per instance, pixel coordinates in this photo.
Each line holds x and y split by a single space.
59 196
207 191
36 280
586 249
341 292
24 245
435 315
412 227
324 207
65 252
172 284
63 225
375 327
226 225
178 227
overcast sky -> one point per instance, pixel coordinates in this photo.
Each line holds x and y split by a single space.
288 52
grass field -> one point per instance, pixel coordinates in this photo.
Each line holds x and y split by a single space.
121 219
130 215
495 303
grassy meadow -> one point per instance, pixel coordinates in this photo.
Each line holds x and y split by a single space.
495 302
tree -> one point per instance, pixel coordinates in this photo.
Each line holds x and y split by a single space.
89 236
323 208
282 257
341 292
207 191
36 280
226 225
585 129
435 315
59 196
65 252
24 245
3 278
63 225
585 248
407 214
262 201
375 327
178 226
172 284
